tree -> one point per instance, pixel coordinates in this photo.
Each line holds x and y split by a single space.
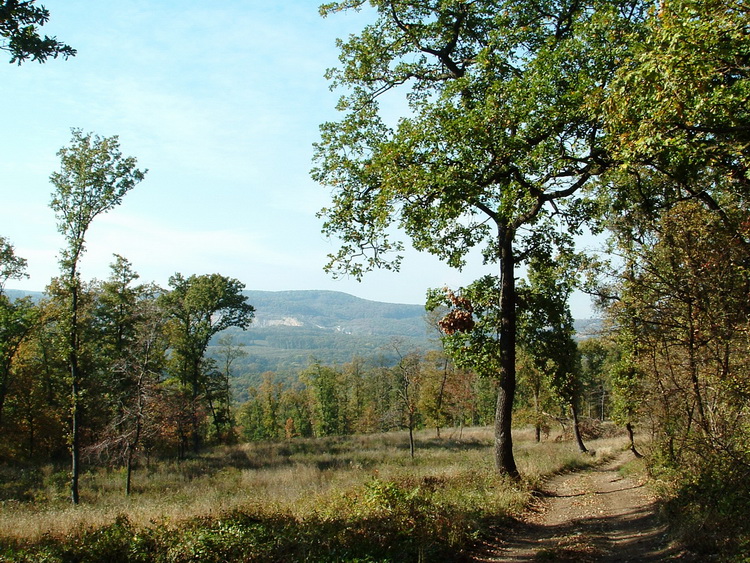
197 308
12 266
683 308
436 370
534 382
94 176
546 326
472 337
597 353
627 385
221 393
679 104
16 318
131 354
20 21
328 394
408 378
501 133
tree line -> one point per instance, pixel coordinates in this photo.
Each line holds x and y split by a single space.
109 367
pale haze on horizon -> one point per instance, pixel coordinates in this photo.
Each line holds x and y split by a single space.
221 102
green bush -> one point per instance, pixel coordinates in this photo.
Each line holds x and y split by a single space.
709 507
19 484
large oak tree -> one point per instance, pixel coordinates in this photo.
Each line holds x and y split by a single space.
500 130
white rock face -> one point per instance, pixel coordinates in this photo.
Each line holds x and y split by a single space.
286 321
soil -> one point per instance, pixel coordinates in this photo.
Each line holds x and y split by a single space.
596 515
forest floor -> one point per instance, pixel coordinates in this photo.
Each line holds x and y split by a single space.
592 515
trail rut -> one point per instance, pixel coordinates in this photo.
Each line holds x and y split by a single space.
596 515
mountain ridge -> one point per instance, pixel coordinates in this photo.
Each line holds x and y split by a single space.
293 328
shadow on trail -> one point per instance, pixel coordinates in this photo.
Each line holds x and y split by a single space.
636 535
598 493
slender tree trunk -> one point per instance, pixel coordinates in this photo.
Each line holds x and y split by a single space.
504 460
694 376
128 470
576 430
3 392
194 422
133 445
75 444
629 428
31 442
439 406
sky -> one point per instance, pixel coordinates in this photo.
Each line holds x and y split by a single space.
221 102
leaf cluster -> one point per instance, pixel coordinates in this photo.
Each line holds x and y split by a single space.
94 176
20 21
499 127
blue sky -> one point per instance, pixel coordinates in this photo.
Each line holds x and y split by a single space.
222 103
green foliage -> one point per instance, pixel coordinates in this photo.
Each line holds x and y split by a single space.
19 33
680 102
545 324
627 385
12 267
196 309
708 506
17 319
472 325
500 131
677 120
327 387
94 176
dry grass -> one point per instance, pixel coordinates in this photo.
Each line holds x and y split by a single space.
301 477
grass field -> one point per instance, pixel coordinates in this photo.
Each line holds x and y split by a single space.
359 498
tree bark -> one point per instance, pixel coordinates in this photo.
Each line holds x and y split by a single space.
504 460
576 430
629 428
75 444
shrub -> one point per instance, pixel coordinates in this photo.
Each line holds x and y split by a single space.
708 505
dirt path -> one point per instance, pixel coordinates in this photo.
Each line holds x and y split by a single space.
586 516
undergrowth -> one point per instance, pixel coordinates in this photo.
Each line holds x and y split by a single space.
708 506
358 499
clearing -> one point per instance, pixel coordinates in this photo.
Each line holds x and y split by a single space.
586 516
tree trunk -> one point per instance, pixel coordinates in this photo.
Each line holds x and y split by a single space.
576 429
75 444
194 421
629 428
439 405
3 392
128 470
504 461
31 442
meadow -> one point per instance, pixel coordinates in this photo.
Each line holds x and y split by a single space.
354 498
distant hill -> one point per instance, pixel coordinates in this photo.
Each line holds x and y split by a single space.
293 328
586 328
14 294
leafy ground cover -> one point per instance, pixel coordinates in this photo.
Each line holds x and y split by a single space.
360 498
